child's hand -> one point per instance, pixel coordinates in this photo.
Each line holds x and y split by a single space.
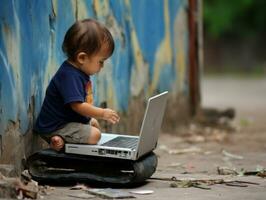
110 115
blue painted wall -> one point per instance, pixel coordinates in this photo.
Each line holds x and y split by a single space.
151 52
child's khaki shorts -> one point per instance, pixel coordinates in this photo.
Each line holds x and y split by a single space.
71 133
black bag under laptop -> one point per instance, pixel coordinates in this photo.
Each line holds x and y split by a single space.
50 167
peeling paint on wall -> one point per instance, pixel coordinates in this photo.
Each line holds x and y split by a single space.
151 54
180 51
163 57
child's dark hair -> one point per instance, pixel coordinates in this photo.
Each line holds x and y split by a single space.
87 35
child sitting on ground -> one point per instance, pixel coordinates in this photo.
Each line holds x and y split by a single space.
68 114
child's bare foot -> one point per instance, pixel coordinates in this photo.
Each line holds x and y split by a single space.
57 143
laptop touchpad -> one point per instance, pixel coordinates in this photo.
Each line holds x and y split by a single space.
106 137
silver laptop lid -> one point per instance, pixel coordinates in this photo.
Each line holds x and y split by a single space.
151 124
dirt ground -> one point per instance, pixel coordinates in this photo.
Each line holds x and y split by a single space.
197 156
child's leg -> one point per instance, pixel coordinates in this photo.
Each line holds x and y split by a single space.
75 133
94 136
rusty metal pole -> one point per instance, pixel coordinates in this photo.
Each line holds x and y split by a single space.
194 72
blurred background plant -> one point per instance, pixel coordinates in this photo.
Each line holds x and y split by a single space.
234 37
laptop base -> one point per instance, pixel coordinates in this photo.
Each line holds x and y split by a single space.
101 150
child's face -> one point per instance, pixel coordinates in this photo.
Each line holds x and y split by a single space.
93 64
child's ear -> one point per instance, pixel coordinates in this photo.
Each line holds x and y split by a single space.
81 57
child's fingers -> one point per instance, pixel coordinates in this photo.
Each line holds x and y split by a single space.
113 116
116 118
113 120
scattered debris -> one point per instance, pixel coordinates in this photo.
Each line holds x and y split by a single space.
215 117
7 170
245 122
210 124
175 165
260 171
110 193
187 184
163 147
45 190
208 152
186 150
25 176
79 187
204 183
230 155
226 171
30 190
193 138
142 192
15 188
81 195
262 174
8 189
197 133
180 151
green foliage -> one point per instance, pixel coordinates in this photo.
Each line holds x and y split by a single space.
234 17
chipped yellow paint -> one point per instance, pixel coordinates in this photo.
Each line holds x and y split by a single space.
82 12
12 45
106 75
101 8
55 6
74 6
52 65
180 30
127 3
140 72
164 53
50 69
7 35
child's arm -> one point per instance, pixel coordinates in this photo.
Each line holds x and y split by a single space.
86 110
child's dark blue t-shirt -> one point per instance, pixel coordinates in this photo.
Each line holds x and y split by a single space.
68 85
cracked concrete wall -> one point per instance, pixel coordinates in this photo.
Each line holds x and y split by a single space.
151 56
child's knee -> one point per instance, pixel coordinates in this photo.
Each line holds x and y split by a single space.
95 135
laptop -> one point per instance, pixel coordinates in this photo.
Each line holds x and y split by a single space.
129 147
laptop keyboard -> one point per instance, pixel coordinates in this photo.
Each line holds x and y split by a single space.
120 141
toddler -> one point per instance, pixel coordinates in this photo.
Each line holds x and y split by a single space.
67 114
